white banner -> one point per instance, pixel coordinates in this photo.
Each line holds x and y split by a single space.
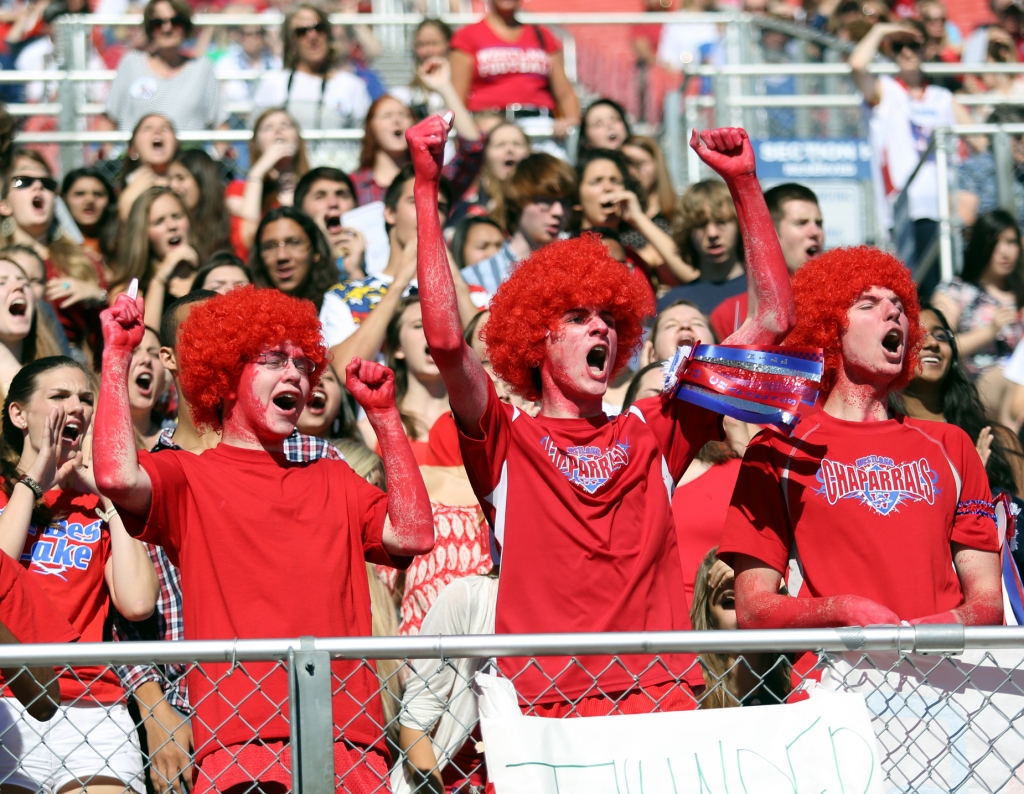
821 745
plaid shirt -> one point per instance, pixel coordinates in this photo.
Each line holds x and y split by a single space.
166 622
461 172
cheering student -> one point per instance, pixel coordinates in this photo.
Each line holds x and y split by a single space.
253 388
828 506
579 503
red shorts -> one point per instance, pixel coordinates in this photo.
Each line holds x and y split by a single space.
362 771
671 696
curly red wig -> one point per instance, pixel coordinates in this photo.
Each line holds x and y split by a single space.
221 335
826 287
562 276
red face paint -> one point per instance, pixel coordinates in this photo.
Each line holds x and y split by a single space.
268 403
577 366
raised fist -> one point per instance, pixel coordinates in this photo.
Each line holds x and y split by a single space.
426 145
372 384
123 324
727 151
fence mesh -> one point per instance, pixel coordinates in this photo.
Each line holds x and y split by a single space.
944 722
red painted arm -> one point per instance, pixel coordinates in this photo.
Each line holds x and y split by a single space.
409 529
118 474
982 586
759 605
462 371
728 152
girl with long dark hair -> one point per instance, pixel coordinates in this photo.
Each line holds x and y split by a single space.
983 304
420 393
152 147
92 202
73 543
196 178
291 254
942 392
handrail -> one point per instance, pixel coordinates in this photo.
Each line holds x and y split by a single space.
840 69
902 639
411 20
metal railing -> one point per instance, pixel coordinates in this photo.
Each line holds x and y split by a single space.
948 694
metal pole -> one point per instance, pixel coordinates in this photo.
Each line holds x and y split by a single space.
692 160
1004 170
672 139
943 138
311 723
65 55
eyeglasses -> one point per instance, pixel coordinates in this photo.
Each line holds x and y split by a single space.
301 32
292 244
25 182
898 46
941 335
275 359
159 23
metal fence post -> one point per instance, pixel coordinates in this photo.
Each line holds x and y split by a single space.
312 726
942 139
672 139
66 57
1004 170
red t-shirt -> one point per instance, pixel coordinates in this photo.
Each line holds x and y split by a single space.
727 317
580 510
508 73
863 508
236 189
268 548
700 508
67 562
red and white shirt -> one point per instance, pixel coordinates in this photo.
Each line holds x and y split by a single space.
581 515
508 73
67 561
863 508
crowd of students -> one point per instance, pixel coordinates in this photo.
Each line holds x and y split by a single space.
524 308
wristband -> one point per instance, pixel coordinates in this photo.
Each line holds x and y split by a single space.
35 487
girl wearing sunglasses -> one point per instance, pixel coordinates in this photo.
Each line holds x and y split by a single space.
164 79
75 277
315 91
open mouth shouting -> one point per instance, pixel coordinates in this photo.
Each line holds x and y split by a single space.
597 361
892 342
332 222
812 250
72 431
175 241
287 401
18 307
144 383
317 402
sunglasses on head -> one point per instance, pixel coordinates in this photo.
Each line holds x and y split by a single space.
159 23
898 46
24 182
301 32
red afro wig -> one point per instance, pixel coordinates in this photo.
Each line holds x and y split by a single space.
557 278
221 335
826 287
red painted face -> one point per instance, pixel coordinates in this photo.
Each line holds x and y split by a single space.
875 339
269 401
581 351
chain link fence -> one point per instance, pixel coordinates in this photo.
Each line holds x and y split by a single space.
376 714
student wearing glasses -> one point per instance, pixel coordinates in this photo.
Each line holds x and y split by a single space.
248 362
292 255
163 79
312 88
75 277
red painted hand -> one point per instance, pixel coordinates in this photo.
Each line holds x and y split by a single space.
426 146
372 384
123 324
860 611
726 150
